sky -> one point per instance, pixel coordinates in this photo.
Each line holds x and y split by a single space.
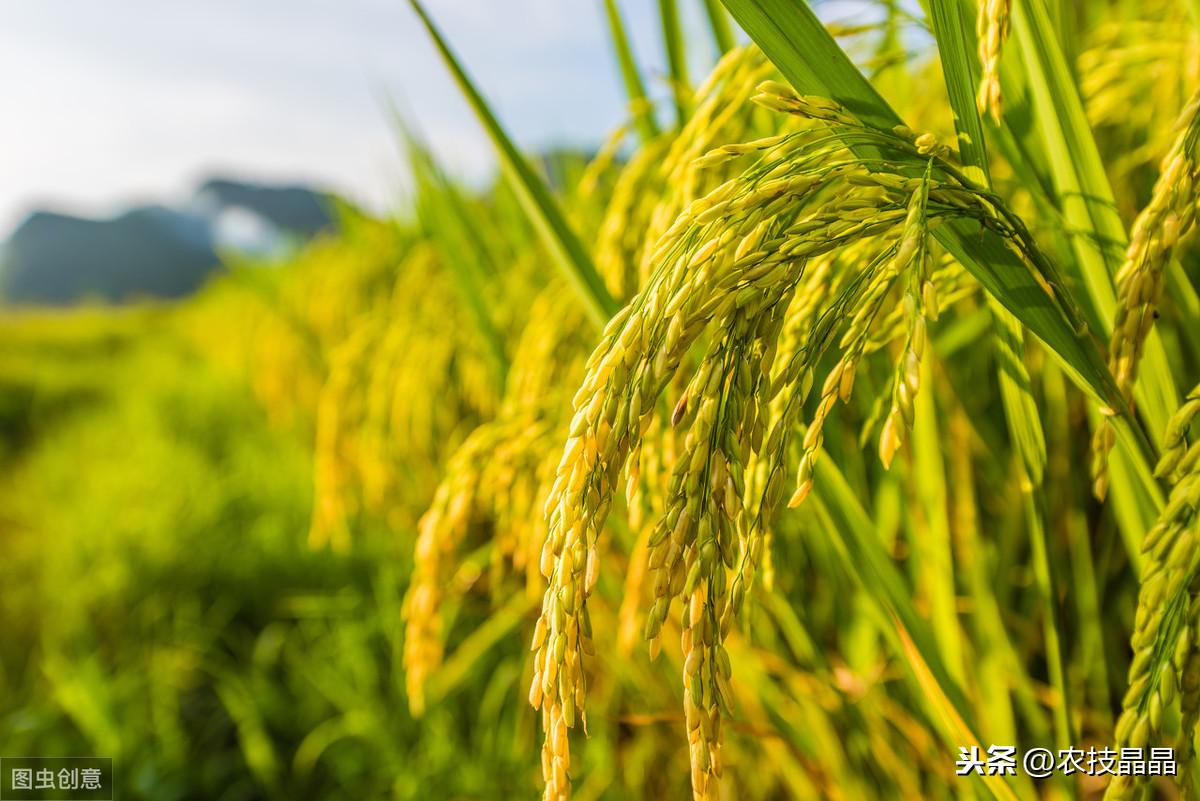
109 104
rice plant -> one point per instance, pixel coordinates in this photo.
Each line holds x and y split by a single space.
826 426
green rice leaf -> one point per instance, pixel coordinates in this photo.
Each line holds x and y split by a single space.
536 199
854 535
443 213
953 29
954 33
673 45
718 21
639 105
1084 195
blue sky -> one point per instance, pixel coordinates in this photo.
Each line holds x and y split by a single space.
127 101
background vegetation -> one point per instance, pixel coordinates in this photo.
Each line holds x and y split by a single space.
284 539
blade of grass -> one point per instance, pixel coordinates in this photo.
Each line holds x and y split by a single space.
718 21
1095 230
639 104
954 33
853 534
1084 592
1135 500
673 44
779 696
997 666
442 212
1018 139
953 29
888 65
1097 237
414 146
536 199
455 670
932 555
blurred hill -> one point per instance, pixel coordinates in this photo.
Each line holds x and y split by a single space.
157 251
295 209
56 259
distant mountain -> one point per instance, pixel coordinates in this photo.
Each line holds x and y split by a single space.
155 251
54 258
297 210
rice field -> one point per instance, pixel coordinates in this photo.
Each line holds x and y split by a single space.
830 432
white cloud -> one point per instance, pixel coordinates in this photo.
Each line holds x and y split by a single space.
136 99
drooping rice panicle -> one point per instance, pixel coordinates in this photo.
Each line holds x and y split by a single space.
1166 656
991 27
441 531
920 300
723 273
1130 70
1168 216
500 474
1179 456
